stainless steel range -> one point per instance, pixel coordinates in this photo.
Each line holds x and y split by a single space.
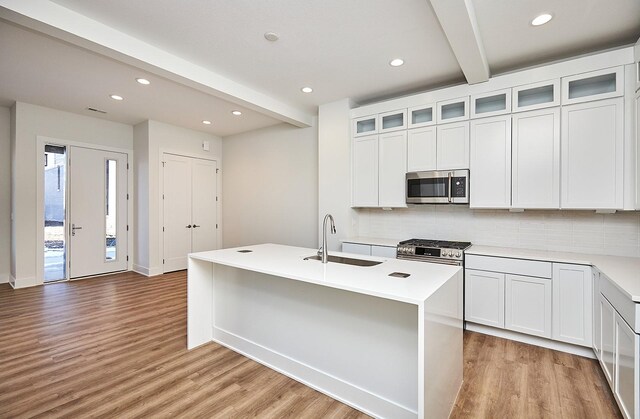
436 251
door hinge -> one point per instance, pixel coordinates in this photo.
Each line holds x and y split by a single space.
163 229
127 197
163 163
127 258
127 166
216 225
217 170
162 196
216 199
163 261
127 230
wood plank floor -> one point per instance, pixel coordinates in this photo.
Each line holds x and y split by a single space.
116 347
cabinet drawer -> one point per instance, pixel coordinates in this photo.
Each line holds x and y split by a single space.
509 265
628 309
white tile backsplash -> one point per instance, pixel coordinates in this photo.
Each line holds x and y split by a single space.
568 231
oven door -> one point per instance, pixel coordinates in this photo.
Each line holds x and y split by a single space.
437 187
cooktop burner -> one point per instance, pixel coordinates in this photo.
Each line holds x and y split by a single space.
442 244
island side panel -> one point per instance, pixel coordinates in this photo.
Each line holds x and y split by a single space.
442 349
199 303
359 349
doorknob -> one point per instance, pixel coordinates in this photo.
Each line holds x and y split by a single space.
189 226
74 228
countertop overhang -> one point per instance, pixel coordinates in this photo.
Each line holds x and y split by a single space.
288 262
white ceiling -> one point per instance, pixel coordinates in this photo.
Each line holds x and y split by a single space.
340 48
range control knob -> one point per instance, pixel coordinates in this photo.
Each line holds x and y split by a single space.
458 254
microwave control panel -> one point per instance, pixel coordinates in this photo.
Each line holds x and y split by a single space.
458 187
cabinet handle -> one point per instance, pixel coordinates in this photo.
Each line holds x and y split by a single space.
449 188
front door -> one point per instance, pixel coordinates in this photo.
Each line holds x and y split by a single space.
97 212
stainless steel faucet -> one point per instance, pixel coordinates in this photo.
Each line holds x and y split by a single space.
322 252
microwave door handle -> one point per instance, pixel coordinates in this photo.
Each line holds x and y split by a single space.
449 188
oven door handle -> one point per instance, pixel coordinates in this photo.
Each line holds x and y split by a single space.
449 188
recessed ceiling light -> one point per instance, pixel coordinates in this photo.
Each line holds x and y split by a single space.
206 122
542 19
307 90
396 62
236 113
143 81
271 36
116 97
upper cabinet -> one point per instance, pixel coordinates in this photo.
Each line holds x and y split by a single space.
364 173
491 104
392 161
366 125
393 121
596 85
421 149
453 110
452 146
536 96
421 116
592 142
536 159
490 162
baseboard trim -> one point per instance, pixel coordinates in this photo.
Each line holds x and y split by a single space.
532 340
143 270
334 387
25 282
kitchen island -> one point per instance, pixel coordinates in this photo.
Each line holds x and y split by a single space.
388 346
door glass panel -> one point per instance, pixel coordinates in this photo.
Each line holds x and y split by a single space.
55 179
111 195
592 86
366 125
420 116
427 188
453 110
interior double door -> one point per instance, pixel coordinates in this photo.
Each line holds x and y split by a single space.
189 209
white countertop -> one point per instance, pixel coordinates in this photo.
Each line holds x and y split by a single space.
624 272
288 262
375 241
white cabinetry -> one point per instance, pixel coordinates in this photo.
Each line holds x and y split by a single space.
366 125
536 96
421 149
536 159
490 163
592 155
393 121
595 85
421 116
627 368
597 326
365 171
392 159
528 305
453 146
370 250
453 110
491 104
572 304
608 335
484 297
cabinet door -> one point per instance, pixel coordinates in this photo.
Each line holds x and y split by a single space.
453 110
536 159
536 96
626 368
491 104
490 163
421 149
365 172
607 320
383 251
595 85
421 116
572 304
528 305
366 125
597 322
484 297
357 248
453 146
393 121
592 155
393 168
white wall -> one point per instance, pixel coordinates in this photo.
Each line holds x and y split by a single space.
5 193
334 167
270 181
568 231
32 121
152 139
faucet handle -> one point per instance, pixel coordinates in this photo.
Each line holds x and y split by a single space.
320 251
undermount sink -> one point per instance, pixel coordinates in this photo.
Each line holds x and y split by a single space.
346 261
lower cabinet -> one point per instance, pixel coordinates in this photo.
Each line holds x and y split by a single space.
484 297
608 335
370 250
528 305
597 328
627 369
572 304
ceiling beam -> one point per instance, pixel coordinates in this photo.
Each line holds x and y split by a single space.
59 22
458 21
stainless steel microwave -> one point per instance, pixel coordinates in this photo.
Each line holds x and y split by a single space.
438 187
